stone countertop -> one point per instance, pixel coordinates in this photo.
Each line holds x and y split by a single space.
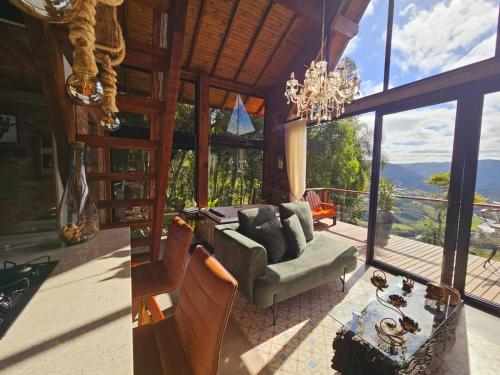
80 320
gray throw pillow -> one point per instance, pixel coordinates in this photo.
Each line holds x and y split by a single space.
250 218
294 236
271 237
303 212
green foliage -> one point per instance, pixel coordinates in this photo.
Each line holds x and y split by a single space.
385 194
440 181
338 156
213 203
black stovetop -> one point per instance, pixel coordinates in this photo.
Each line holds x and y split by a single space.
18 284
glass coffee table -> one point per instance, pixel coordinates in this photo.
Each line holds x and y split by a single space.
361 317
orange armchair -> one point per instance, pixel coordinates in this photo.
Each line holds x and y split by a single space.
321 210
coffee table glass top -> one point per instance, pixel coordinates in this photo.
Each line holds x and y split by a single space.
362 315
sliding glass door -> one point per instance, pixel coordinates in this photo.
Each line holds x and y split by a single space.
413 184
481 259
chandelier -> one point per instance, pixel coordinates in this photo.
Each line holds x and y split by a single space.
324 93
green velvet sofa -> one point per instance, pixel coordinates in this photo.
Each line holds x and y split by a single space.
323 260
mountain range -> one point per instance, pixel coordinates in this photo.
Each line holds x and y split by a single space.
412 176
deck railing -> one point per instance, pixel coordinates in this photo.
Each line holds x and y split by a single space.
324 196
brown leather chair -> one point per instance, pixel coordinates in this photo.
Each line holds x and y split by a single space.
162 276
189 341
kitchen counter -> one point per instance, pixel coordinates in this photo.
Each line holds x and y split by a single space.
80 320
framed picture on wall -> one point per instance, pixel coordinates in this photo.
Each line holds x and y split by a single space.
9 132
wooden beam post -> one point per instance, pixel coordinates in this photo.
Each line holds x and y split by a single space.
49 61
171 82
202 132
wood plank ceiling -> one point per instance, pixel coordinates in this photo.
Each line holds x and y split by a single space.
245 42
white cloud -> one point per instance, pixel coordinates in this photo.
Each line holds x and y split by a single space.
371 8
426 134
352 46
408 10
421 135
480 52
429 39
369 87
490 128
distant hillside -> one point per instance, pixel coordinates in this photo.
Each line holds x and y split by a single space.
412 176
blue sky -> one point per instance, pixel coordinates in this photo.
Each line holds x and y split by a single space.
429 37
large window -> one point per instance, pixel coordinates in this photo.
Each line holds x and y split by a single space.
235 175
181 188
431 37
484 255
367 48
339 160
414 180
236 148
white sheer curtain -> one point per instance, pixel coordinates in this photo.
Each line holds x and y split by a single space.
296 157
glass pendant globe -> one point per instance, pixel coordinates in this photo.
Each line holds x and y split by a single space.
84 89
110 122
55 11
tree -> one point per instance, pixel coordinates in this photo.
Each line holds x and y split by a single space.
338 156
433 233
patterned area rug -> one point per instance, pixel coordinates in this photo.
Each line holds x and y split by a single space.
301 340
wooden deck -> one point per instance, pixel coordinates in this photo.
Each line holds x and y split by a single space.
483 280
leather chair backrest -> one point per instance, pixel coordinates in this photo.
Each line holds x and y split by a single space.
176 252
205 301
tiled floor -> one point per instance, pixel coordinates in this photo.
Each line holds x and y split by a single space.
301 341
305 347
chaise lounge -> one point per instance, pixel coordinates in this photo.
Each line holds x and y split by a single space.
265 284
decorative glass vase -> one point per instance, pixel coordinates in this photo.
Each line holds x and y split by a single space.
77 215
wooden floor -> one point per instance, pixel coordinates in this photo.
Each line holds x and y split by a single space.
483 280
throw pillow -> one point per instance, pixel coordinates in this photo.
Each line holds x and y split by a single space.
294 236
271 237
303 212
250 218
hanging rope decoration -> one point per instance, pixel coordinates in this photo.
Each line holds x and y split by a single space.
97 37
83 86
108 55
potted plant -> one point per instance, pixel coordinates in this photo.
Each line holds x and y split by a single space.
385 215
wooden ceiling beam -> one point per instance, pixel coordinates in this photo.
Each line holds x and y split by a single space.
171 81
226 84
196 33
118 143
280 44
312 10
227 34
251 46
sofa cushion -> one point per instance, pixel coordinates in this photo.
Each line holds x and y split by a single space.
295 239
303 212
271 237
251 218
323 260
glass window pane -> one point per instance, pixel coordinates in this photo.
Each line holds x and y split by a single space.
129 160
181 180
222 106
367 48
185 115
339 160
235 175
417 150
430 37
484 258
